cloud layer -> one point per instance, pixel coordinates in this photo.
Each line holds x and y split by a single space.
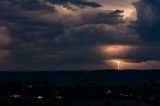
148 23
68 34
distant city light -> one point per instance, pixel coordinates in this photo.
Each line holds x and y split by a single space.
15 96
40 97
124 95
58 97
108 92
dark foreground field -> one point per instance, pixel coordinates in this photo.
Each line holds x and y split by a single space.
80 88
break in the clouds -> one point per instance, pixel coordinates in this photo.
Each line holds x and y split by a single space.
78 34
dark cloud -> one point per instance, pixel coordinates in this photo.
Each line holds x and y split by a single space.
144 53
66 34
141 53
93 34
104 17
76 2
33 5
37 28
148 23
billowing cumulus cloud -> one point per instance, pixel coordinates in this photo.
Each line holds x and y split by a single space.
91 34
69 34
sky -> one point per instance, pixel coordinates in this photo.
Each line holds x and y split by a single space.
79 34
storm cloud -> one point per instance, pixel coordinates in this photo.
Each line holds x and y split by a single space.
148 23
67 34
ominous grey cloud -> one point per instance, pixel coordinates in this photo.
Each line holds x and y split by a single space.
144 53
148 23
37 29
96 34
77 2
66 34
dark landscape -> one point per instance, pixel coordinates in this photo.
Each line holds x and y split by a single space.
80 88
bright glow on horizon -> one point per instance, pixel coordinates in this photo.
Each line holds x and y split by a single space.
116 54
115 50
118 63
